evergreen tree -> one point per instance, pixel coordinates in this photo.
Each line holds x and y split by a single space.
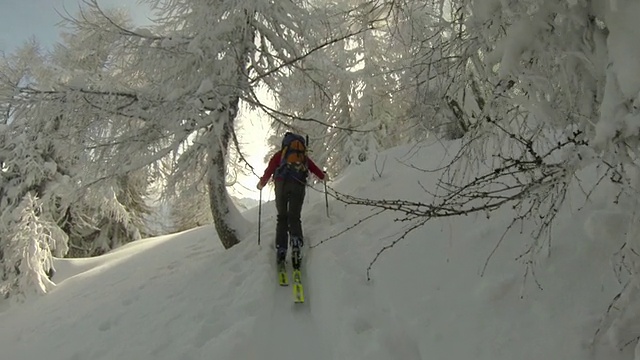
28 245
169 93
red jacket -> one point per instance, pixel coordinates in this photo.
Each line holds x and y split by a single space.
275 162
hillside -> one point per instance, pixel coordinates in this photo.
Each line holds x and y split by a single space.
181 296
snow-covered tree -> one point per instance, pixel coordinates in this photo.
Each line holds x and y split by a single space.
108 217
536 91
28 244
173 92
349 97
44 126
190 209
44 155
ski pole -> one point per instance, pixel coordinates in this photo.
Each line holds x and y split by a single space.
326 197
259 215
306 156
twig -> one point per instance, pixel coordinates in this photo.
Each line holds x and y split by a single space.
348 228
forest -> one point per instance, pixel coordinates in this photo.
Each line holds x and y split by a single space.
117 119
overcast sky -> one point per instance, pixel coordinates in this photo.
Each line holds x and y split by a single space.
22 19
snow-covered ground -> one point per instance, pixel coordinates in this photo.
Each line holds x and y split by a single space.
181 297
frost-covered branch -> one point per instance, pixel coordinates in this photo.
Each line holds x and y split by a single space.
531 183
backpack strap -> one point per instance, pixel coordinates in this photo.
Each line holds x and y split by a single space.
283 155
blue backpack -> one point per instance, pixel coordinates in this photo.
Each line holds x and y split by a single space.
293 158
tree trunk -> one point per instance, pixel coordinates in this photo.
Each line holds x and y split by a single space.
226 217
220 202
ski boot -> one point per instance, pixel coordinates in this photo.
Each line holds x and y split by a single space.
281 256
296 254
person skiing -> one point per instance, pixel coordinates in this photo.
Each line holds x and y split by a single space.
290 167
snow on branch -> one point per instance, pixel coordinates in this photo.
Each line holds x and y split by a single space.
531 183
27 264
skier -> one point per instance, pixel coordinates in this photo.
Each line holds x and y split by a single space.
290 167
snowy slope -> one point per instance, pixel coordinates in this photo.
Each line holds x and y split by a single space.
182 297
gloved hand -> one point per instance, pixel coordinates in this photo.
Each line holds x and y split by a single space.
260 185
326 177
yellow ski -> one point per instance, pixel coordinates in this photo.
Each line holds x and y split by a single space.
298 291
282 275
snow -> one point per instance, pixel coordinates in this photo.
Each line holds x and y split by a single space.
619 109
175 94
144 31
78 81
205 86
484 10
181 296
622 25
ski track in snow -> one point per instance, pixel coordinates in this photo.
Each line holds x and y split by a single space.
285 330
181 297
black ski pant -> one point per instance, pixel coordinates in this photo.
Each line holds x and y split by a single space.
289 199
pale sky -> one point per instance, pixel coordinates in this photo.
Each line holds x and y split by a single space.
23 19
